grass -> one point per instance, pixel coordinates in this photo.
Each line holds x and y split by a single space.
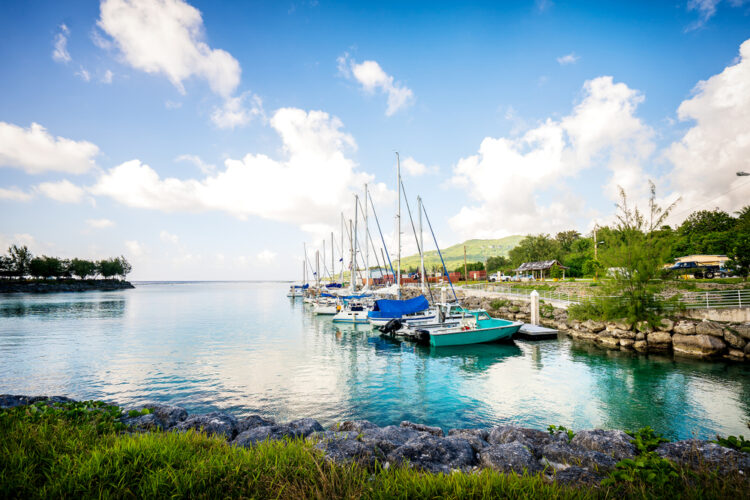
81 451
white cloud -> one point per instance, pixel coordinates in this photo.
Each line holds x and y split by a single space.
288 190
571 58
167 37
134 248
84 74
204 167
35 150
415 168
99 223
266 256
14 194
372 77
60 53
172 104
234 113
107 78
19 239
718 144
63 191
167 237
507 176
706 10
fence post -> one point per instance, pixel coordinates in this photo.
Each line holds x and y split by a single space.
534 306
707 307
739 298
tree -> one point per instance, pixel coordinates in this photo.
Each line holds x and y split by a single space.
498 263
108 268
124 266
556 272
740 263
6 267
20 258
82 268
566 238
535 248
47 267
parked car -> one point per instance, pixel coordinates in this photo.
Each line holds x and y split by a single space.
700 271
499 276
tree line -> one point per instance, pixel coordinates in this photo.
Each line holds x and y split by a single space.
20 263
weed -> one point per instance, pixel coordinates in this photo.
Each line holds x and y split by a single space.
740 444
556 428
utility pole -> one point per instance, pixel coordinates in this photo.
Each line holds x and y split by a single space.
466 272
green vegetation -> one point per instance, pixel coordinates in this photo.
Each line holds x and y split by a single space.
498 303
476 251
20 263
557 428
646 439
647 467
79 450
735 443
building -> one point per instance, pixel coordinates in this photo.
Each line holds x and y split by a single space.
478 275
539 270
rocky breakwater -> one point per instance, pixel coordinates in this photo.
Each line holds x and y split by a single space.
50 286
583 458
699 339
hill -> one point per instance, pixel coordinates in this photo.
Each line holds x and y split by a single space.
476 251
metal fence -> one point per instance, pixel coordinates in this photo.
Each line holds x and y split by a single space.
710 299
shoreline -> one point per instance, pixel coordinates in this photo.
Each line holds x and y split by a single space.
67 285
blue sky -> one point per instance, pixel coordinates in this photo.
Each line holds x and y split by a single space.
208 140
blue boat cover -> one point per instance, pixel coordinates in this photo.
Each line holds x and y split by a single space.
385 308
303 287
333 285
328 295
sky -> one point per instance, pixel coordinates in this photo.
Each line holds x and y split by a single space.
209 140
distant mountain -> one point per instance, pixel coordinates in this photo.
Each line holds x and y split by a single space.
476 251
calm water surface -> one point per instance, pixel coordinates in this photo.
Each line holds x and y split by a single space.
246 348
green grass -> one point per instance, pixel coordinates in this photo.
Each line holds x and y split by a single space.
81 452
476 251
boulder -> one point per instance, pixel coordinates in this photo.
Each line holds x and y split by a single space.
435 431
583 335
640 336
747 348
666 325
388 438
659 340
644 327
627 343
684 328
560 456
435 454
707 327
743 330
593 326
577 475
168 415
613 443
215 423
623 334
640 345
736 354
10 400
355 425
251 422
301 428
534 439
349 449
696 453
509 457
477 438
606 341
623 324
697 345
734 340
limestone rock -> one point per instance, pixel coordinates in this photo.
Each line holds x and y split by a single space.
734 340
251 422
666 325
388 438
685 328
435 454
736 354
640 345
10 400
477 438
435 431
560 456
640 336
216 423
659 340
534 439
627 343
644 327
613 443
593 326
623 324
168 415
747 348
743 330
623 334
697 345
577 475
350 450
355 425
583 335
696 453
707 327
610 342
509 457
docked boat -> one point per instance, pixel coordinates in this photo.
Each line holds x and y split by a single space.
296 291
326 304
477 327
416 309
354 311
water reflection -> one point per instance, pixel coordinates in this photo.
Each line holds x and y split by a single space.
103 309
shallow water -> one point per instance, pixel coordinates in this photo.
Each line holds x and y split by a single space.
247 348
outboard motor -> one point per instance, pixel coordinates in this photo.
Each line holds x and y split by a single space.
423 336
391 327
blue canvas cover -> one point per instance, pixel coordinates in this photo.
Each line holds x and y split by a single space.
385 308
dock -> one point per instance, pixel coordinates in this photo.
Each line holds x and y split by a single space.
535 332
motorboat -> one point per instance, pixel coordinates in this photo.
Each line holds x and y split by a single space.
476 327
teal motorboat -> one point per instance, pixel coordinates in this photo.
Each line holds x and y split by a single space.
476 327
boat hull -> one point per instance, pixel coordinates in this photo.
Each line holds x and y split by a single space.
357 317
477 336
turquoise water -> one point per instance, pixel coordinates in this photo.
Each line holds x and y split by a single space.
246 348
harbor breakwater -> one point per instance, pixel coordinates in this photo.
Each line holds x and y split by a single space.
584 457
71 285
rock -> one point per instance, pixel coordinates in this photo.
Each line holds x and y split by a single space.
577 475
640 345
295 429
349 449
534 439
593 326
435 431
613 443
707 327
623 334
303 427
697 345
388 438
747 348
583 335
251 422
666 325
644 327
11 400
736 354
168 415
255 435
561 456
355 425
696 453
606 341
435 454
734 340
215 423
627 343
640 336
477 438
143 422
509 457
743 330
623 324
685 328
659 340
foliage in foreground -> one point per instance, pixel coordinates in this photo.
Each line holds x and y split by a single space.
79 450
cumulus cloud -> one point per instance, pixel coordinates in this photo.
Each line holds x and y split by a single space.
235 113
372 77
718 144
310 186
507 177
107 78
414 168
167 237
134 248
196 160
60 52
99 223
35 151
571 58
167 37
63 191
14 194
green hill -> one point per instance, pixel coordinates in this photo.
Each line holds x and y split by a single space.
476 251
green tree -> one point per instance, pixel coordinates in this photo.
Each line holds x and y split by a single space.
556 272
535 248
740 263
124 267
20 258
498 263
108 268
82 268
47 267
566 238
6 267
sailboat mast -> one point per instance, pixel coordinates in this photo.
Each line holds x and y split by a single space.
398 222
367 247
354 235
333 268
304 262
351 264
421 244
317 268
342 249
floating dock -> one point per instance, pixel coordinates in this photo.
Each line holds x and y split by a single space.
535 332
